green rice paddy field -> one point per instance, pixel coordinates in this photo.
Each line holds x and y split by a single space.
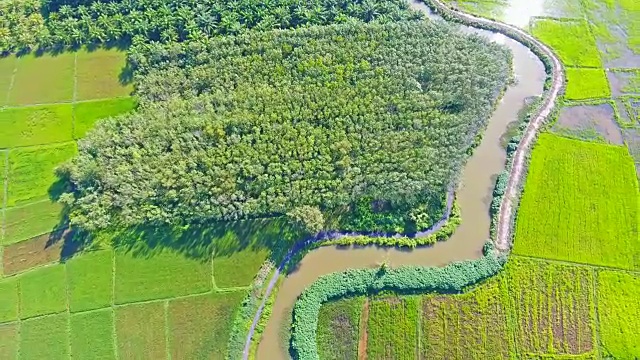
111 305
534 309
569 290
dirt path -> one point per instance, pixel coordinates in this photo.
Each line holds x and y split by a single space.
362 343
516 172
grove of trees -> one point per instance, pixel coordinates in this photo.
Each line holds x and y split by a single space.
370 123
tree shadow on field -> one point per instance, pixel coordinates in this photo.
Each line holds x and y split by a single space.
200 241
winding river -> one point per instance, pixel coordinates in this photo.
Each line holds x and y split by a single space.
474 197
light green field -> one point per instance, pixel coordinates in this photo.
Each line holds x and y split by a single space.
90 281
35 125
619 313
591 214
87 113
45 338
8 300
546 294
32 171
338 329
43 80
587 84
43 291
27 221
237 269
199 326
163 276
104 83
475 325
393 328
141 331
92 335
572 41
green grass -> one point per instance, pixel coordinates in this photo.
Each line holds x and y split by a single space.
199 326
8 300
587 84
43 291
238 269
27 221
98 74
87 113
36 125
554 307
141 331
32 171
619 313
92 335
43 80
580 203
571 40
338 329
159 276
90 281
45 338
474 325
392 328
9 341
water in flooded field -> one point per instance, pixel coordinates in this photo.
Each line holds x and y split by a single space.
474 196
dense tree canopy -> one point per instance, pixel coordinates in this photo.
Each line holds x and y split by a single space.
78 22
264 122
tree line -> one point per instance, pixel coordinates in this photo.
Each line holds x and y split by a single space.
29 24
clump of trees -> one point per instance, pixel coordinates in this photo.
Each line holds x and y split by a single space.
265 123
80 22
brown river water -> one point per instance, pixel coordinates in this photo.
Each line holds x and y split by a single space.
474 197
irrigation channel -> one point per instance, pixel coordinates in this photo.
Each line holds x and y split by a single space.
474 195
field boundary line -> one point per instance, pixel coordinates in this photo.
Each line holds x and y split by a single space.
114 334
577 264
51 144
70 102
167 349
75 95
12 81
66 290
5 194
594 275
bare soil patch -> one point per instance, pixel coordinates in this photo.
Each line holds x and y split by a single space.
589 122
30 253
